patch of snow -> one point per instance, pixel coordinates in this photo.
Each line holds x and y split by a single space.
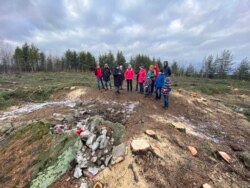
36 106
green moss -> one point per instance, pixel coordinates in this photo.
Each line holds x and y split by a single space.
51 153
55 162
29 133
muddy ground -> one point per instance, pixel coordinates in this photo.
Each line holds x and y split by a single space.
210 127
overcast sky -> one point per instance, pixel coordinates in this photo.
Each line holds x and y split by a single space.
182 30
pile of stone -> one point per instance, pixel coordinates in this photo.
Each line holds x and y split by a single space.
98 149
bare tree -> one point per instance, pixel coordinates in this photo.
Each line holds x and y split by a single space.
6 56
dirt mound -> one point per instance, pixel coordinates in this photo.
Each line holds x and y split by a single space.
76 93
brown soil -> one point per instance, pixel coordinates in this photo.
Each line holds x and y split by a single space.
210 126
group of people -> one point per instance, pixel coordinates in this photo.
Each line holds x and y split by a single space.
147 82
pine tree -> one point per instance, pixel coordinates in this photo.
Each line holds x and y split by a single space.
175 68
243 71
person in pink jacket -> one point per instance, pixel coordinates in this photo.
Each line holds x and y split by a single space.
129 76
142 76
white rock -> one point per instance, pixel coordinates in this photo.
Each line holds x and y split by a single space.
90 140
84 185
93 170
78 172
95 146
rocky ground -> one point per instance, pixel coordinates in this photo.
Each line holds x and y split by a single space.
83 137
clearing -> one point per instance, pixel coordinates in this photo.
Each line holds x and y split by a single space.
39 146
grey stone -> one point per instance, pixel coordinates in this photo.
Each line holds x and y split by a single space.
82 161
102 167
69 118
102 158
79 125
94 159
99 162
78 172
90 140
103 141
93 170
5 128
107 160
95 146
119 151
104 132
84 149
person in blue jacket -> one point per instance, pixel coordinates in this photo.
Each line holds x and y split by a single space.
159 83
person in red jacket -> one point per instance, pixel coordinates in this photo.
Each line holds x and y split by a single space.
157 70
98 74
141 78
129 76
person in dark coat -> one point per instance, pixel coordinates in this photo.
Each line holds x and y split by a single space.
137 77
166 69
106 76
117 78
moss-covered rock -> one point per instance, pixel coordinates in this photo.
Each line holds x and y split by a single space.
43 157
118 129
60 164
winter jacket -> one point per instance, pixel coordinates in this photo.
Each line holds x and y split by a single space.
117 77
106 74
98 72
167 71
160 80
157 70
142 75
148 82
166 89
149 74
129 74
153 74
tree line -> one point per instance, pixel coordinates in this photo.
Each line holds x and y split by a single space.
29 58
219 66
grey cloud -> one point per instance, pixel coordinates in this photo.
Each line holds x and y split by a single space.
185 30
